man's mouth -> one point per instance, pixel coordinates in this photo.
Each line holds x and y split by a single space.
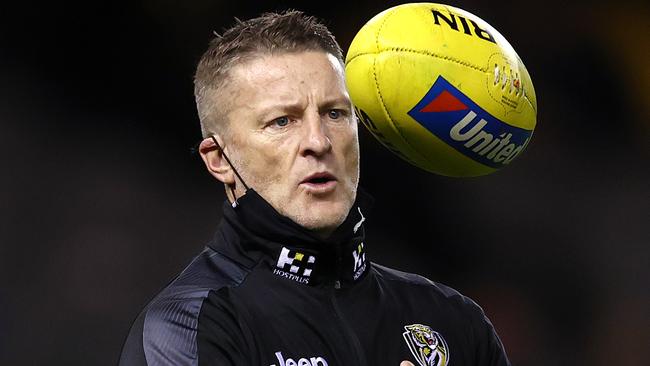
319 182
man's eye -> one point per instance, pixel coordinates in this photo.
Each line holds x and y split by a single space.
334 114
281 122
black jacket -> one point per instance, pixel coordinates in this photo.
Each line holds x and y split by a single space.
266 292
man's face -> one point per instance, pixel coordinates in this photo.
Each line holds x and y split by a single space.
293 137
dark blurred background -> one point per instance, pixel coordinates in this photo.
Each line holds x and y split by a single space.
102 203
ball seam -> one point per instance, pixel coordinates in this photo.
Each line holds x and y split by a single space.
489 88
426 53
529 102
381 98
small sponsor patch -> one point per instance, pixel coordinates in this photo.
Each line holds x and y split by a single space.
294 265
311 361
359 256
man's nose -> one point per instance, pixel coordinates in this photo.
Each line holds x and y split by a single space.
316 140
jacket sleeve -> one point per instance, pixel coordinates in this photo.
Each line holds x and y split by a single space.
132 351
489 349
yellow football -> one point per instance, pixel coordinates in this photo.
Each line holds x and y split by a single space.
442 89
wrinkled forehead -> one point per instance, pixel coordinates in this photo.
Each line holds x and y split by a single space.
287 78
263 67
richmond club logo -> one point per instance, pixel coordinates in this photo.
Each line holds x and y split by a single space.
427 346
294 265
455 119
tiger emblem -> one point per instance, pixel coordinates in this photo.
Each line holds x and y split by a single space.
427 346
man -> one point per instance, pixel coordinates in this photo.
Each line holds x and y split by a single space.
286 280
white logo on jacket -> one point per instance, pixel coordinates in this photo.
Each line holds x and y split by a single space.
294 265
358 224
312 361
427 346
359 256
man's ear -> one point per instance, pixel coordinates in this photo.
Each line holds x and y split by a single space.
216 164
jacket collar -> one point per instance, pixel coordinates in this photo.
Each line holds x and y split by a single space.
253 232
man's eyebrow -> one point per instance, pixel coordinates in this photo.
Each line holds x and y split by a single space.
280 106
297 106
335 102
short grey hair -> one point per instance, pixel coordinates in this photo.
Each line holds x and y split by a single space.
270 33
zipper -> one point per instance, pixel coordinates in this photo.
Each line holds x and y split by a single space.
347 329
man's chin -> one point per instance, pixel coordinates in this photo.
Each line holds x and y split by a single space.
323 220
320 215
